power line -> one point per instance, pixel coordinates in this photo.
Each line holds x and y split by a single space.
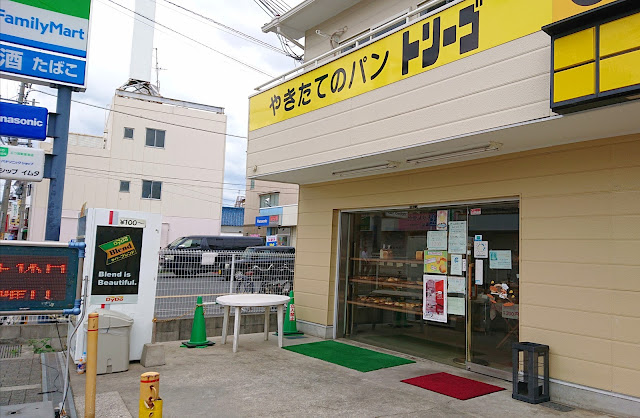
143 117
163 191
193 40
213 183
231 30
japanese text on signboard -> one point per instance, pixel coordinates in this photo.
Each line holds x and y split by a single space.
461 30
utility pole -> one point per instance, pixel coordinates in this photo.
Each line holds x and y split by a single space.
23 200
8 182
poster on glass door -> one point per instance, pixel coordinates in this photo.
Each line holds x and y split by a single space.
434 304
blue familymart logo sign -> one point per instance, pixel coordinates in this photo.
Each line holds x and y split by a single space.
44 41
58 26
23 121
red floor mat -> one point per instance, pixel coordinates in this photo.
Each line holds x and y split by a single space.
454 386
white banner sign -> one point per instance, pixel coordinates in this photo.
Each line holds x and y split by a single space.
21 163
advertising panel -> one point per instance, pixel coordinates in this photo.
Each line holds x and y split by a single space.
463 29
21 163
44 41
23 121
37 277
563 9
435 262
434 305
116 265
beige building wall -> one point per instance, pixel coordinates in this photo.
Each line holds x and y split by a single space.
190 167
579 268
508 84
288 196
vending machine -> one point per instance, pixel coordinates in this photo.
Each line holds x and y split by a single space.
121 268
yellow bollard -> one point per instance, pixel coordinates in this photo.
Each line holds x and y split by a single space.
92 367
150 404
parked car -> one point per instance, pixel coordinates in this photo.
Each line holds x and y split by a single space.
197 253
264 269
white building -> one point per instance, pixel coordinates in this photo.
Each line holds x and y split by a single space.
158 155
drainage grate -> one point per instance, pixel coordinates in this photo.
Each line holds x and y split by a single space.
10 351
558 407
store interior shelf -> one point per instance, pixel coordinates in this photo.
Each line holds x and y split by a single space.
385 307
390 260
383 282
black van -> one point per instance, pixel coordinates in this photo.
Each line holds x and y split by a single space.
177 258
214 242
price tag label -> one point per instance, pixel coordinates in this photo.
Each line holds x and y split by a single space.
136 223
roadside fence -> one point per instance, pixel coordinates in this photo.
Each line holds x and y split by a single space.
31 319
185 274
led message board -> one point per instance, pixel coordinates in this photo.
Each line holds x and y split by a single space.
37 278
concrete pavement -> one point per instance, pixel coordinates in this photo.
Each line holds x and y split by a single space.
264 380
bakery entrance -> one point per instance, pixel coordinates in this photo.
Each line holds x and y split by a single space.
411 281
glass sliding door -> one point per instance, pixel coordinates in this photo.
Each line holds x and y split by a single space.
493 287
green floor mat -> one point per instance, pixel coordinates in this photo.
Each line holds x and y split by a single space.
349 356
439 352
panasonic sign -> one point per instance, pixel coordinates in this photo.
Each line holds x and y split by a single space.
23 121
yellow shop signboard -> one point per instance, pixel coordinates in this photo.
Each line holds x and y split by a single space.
563 9
459 31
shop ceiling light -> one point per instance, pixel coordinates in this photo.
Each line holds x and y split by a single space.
364 170
492 146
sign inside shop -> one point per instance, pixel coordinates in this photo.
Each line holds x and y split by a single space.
37 278
461 30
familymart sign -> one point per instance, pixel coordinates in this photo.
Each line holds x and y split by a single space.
53 25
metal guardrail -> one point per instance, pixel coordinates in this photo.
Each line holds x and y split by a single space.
184 275
31 319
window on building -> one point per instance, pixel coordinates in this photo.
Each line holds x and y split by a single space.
128 133
155 138
253 184
151 189
124 186
269 200
433 5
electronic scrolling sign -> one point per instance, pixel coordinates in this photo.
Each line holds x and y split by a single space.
37 278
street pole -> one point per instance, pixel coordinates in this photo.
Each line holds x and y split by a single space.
58 164
5 205
7 183
22 210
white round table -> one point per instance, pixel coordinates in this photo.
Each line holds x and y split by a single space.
251 300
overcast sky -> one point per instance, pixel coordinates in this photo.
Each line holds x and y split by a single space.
191 72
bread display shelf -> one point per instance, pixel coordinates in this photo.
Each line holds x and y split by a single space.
385 307
389 260
382 282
